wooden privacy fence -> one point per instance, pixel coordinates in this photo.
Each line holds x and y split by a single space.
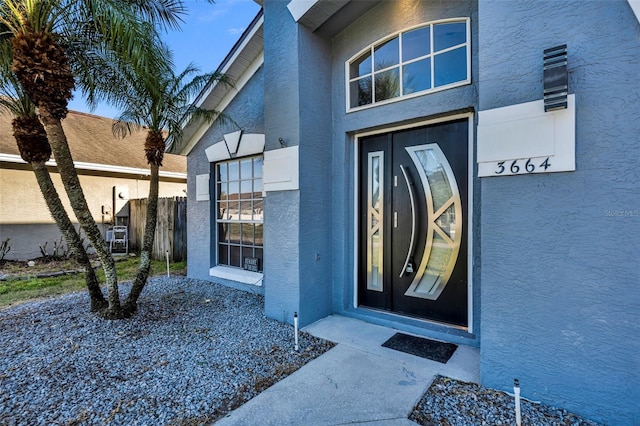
171 228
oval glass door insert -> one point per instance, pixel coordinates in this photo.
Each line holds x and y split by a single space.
444 221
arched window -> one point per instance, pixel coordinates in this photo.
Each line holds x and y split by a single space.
424 59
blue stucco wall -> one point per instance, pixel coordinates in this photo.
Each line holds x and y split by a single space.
298 110
560 277
387 18
246 109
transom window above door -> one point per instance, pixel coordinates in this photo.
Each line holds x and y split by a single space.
424 59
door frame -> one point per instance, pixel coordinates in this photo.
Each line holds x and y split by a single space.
356 213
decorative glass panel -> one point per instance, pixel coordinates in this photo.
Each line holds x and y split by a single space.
436 177
375 213
387 84
449 35
444 221
386 55
416 76
416 43
450 67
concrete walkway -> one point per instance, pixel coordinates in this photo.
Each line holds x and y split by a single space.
356 382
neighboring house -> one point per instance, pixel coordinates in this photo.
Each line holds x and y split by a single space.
392 161
111 172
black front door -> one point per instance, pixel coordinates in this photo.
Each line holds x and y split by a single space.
413 222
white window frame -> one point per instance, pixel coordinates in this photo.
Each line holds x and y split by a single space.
400 64
233 221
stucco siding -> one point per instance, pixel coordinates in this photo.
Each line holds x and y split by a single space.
246 112
560 294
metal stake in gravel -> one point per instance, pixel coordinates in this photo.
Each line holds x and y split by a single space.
295 330
167 263
516 393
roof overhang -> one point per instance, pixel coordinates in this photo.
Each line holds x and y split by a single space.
242 62
11 158
322 15
635 6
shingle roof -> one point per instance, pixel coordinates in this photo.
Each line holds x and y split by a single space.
91 141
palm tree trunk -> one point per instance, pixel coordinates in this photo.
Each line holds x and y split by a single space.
147 243
74 242
64 160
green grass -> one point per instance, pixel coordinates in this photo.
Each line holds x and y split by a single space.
15 291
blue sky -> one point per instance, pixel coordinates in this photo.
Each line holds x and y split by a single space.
205 38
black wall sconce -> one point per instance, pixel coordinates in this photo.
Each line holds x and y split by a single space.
556 78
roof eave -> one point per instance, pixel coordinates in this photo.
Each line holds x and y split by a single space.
240 61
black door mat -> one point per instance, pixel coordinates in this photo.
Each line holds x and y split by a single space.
419 346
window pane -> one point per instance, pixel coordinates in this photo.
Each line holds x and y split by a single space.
223 255
257 167
360 92
386 54
360 66
448 35
416 76
246 189
247 234
234 256
234 171
258 235
387 84
245 210
257 188
258 253
222 172
223 191
245 169
247 252
233 208
450 67
233 189
257 209
234 233
222 210
223 232
416 43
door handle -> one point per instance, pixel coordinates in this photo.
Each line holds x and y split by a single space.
408 266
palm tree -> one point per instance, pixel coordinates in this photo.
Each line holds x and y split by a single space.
52 42
35 150
161 102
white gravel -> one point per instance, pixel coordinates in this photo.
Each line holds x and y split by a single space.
194 351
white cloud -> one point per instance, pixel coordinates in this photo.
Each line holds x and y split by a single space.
234 31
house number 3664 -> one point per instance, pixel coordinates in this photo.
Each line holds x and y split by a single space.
521 166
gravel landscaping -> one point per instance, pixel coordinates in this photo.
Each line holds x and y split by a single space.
194 351
450 402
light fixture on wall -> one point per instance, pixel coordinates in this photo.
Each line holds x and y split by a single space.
556 79
282 143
